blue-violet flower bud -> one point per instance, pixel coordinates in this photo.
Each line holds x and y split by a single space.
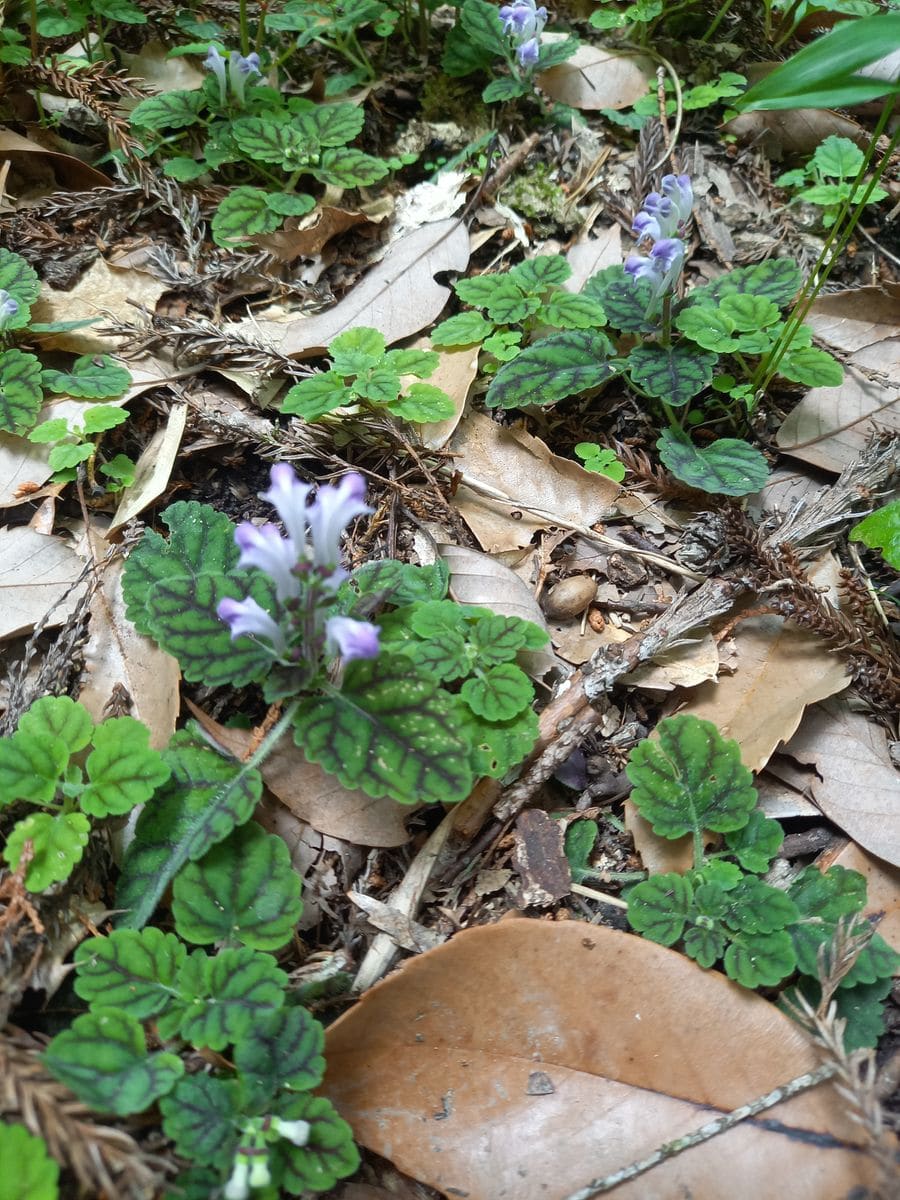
351 639
246 616
333 509
677 188
529 52
523 19
264 547
239 71
8 308
216 63
662 267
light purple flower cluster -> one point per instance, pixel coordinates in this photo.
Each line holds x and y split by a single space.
306 569
663 215
232 74
8 308
524 22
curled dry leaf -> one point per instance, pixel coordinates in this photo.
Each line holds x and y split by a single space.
36 572
23 469
523 1059
855 784
591 255
27 155
398 297
308 235
595 78
153 468
455 374
800 131
314 796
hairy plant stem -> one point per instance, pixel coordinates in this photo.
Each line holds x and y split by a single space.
244 27
271 740
835 243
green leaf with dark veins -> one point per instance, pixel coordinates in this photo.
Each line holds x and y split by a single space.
541 273
21 395
690 779
243 214
20 281
707 327
201 1116
122 769
551 54
757 907
103 1058
58 843
348 167
498 693
206 797
388 731
401 583
498 639
728 467
329 1155
91 377
811 366
243 890
423 402
269 140
551 369
504 88
283 1049
704 944
380 385
761 960
757 843
675 373
660 906
334 124
170 110
465 329
881 531
500 295
220 997
775 279
625 300
564 310
128 970
314 397
290 204
481 21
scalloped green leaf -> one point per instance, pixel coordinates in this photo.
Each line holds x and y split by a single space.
283 1049
763 960
707 327
565 310
31 766
625 300
221 997
704 945
170 110
660 906
68 455
504 88
551 369
243 214
757 907
243 890
499 693
776 279
130 970
388 731
811 366
541 273
207 795
498 639
314 397
690 779
58 717
91 377
20 280
201 1117
348 167
329 1155
748 312
380 385
290 204
829 895
481 21
465 329
551 54
421 363
21 394
334 124
122 769
58 843
500 295
881 531
36 1174
422 402
757 843
268 140
401 583
581 837
103 1058
496 746
100 418
728 467
675 373
356 350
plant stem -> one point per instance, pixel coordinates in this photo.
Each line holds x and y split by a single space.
717 20
244 27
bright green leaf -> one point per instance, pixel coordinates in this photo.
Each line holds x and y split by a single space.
58 843
881 531
34 1174
728 466
92 376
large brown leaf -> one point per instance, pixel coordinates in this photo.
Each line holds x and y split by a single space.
595 78
523 1059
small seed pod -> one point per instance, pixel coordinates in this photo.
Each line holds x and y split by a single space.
570 597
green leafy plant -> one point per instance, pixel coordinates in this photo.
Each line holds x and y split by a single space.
252 1123
78 442
245 132
726 86
35 1175
24 380
336 25
365 376
830 179
485 33
506 310
84 17
601 460
388 718
690 781
881 531
70 770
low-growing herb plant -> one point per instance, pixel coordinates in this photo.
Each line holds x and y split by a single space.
70 773
83 17
246 132
365 376
830 179
693 358
601 460
690 781
36 1174
78 442
881 531
485 33
336 25
24 380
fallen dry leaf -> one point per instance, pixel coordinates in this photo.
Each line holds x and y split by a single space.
309 234
521 467
36 572
794 131
153 469
117 655
23 469
316 797
25 155
831 426
455 373
591 255
398 297
595 78
473 1066
855 784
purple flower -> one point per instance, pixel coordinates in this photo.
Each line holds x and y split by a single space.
8 308
662 267
646 226
248 617
351 639
677 189
523 20
529 52
264 547
216 63
334 508
239 72
288 497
